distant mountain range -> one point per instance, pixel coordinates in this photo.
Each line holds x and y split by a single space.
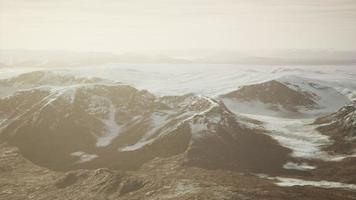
41 58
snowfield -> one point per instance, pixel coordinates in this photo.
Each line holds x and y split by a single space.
300 136
205 79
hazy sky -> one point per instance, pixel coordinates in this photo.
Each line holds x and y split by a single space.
142 25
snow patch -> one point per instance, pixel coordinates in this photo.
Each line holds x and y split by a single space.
158 121
298 166
112 129
299 136
84 157
137 145
290 182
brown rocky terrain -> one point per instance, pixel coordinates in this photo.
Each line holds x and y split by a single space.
341 127
340 171
165 178
96 139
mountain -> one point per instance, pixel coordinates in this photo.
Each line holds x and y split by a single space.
281 57
341 127
64 122
286 95
57 59
78 137
273 92
11 58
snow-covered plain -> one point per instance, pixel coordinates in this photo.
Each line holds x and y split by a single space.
205 79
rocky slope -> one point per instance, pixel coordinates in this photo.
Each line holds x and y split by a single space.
341 127
67 137
164 178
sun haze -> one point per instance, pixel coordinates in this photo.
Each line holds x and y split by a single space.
161 25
